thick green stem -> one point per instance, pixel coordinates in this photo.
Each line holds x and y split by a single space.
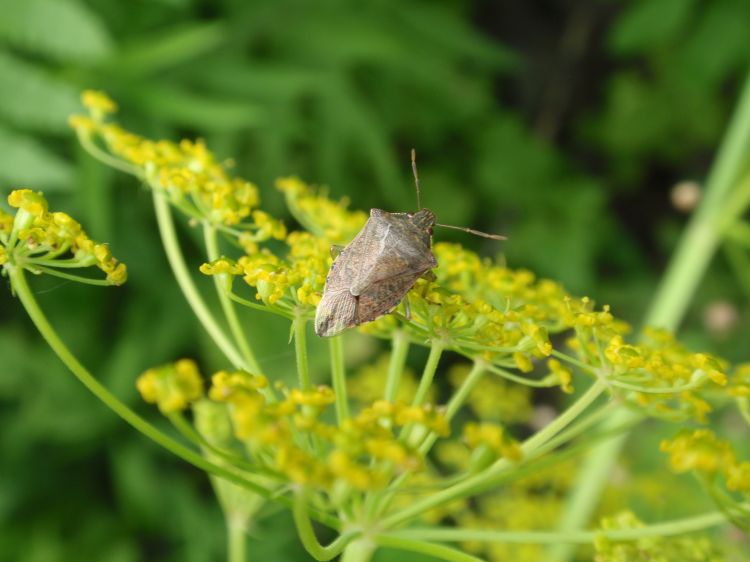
338 376
686 269
360 550
235 326
185 281
399 351
236 541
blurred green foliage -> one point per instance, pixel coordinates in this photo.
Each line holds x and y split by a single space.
562 126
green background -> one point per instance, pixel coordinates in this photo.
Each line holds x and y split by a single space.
563 125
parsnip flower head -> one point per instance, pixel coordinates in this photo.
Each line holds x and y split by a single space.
52 242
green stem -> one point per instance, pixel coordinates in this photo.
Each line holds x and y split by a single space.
396 365
435 550
685 271
520 380
338 376
669 528
185 281
220 281
24 293
237 541
457 400
360 550
307 533
105 157
699 242
72 277
382 501
300 349
187 430
21 288
740 263
479 482
436 350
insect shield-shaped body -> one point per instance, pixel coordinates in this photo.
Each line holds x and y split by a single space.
375 271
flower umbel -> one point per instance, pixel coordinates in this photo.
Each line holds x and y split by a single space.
52 242
368 464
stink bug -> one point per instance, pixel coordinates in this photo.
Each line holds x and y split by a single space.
373 273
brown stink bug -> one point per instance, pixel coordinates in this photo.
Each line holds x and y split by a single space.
373 273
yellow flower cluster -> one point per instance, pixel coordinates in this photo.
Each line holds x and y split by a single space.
172 387
739 382
651 549
492 438
289 284
702 451
195 181
318 214
41 241
505 316
660 363
292 439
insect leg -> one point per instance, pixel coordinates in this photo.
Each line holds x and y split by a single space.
336 250
407 308
429 276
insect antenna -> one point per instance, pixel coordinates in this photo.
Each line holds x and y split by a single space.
419 206
416 176
475 232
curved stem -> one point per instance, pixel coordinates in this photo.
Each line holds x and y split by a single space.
685 271
105 157
307 533
338 376
111 401
220 281
185 281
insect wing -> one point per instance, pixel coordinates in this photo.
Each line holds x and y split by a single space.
384 296
397 248
335 313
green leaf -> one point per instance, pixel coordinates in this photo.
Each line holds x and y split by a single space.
649 23
30 98
168 48
64 30
185 108
25 162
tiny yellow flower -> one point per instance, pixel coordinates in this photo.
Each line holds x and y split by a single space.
172 387
98 102
32 202
698 450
